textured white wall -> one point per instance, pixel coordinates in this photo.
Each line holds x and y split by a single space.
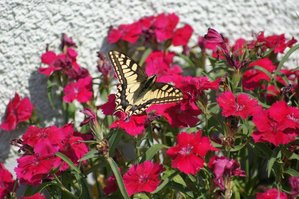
26 26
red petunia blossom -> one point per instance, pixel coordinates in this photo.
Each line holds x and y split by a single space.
275 125
188 154
164 26
125 32
182 35
144 177
18 110
80 90
276 42
161 64
133 125
64 61
252 78
110 185
35 196
241 105
272 194
6 182
109 107
224 168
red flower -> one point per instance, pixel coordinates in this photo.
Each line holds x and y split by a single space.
143 177
240 105
133 125
18 110
188 154
159 63
223 167
6 181
42 144
126 32
276 42
294 182
252 78
110 185
164 26
32 169
109 107
35 196
272 194
80 90
185 113
182 35
65 61
275 125
214 37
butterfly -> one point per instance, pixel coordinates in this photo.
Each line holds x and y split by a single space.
137 91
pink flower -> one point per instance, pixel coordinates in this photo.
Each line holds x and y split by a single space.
164 26
252 78
188 154
6 182
64 61
35 196
110 185
41 145
241 105
18 110
32 169
126 32
273 124
133 125
142 177
109 107
214 37
294 182
160 63
182 35
80 90
90 116
271 194
223 167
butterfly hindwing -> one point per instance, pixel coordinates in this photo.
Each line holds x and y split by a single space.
137 91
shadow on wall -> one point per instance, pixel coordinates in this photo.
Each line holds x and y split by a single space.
46 114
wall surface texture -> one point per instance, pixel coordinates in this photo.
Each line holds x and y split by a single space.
27 26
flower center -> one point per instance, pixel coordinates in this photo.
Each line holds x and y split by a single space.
143 178
239 107
293 118
186 150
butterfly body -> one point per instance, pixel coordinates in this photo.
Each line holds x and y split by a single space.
137 91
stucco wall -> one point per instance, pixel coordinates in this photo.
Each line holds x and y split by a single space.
26 26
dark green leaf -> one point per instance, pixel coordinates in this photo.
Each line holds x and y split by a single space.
68 161
151 152
91 154
118 177
292 172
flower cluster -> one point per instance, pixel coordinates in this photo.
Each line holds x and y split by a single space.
238 112
40 146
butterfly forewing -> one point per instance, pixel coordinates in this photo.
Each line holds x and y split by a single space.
132 97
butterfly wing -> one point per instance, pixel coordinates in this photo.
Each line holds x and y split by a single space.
132 80
130 76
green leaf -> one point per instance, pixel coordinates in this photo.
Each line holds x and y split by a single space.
151 152
270 165
68 161
50 84
141 196
285 58
294 156
187 60
118 177
91 154
146 53
292 172
178 179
